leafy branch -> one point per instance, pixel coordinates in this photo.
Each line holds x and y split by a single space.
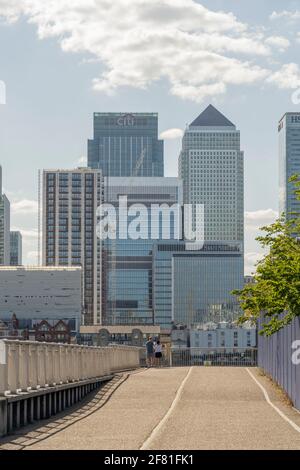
275 292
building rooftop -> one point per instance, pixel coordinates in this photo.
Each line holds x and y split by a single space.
40 268
211 117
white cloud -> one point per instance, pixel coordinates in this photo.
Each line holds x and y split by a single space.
266 215
32 234
171 134
200 52
24 207
279 42
288 77
254 221
82 161
32 258
290 15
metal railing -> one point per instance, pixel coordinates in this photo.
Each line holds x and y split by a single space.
27 365
227 357
230 357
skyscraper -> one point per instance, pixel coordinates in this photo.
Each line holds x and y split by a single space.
4 227
211 165
126 145
195 286
128 275
289 161
70 202
15 248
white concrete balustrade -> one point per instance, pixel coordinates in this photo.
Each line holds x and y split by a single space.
26 365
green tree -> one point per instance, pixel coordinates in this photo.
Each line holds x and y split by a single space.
275 292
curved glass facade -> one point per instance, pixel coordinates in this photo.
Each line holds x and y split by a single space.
127 273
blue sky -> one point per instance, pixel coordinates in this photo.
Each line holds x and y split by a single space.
62 62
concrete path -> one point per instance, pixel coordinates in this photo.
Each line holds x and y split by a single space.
180 408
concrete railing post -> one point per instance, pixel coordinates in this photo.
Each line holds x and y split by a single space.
30 365
41 364
3 367
13 366
33 366
56 363
23 375
50 373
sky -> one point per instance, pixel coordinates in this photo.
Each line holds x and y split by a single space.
62 60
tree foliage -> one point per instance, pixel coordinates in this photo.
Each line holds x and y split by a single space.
275 292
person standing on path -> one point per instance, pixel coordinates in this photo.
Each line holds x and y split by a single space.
158 353
150 352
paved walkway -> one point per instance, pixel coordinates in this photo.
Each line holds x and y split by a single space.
180 408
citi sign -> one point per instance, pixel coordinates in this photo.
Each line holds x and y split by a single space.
295 119
128 120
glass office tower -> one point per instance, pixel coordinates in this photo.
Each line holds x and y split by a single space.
126 145
70 202
15 248
127 263
289 161
192 287
211 165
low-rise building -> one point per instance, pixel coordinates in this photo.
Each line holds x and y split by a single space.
41 294
223 335
131 335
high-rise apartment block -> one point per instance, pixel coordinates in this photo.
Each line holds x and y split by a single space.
70 202
15 248
4 227
289 160
211 165
126 145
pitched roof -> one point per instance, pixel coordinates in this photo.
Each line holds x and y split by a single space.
211 117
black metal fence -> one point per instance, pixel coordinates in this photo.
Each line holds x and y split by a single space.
209 357
279 356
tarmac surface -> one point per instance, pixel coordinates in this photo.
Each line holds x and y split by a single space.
211 408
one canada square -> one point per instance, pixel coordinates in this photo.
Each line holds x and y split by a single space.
211 165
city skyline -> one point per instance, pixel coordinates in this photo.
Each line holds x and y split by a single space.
60 101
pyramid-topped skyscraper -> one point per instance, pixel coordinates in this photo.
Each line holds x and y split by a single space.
211 117
211 165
